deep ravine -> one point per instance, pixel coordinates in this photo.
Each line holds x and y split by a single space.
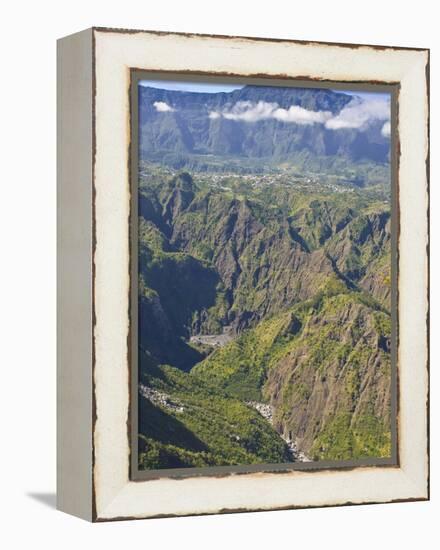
267 412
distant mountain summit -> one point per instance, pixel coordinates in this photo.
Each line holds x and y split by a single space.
263 124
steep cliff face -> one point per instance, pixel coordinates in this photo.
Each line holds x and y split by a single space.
264 265
256 258
192 127
173 286
361 252
324 366
331 390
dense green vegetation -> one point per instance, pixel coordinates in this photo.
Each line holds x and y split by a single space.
211 428
300 275
322 347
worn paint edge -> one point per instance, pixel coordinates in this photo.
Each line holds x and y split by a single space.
349 45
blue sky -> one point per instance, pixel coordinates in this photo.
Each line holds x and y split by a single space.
199 87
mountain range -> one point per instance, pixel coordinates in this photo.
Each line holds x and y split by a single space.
263 124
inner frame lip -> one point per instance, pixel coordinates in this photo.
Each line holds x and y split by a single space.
392 88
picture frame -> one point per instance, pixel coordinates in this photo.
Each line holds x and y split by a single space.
97 393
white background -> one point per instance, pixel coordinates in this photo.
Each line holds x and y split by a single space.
27 300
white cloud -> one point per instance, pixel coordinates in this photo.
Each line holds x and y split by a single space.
386 129
263 110
162 107
250 112
359 113
301 116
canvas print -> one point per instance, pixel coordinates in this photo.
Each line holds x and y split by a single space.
264 274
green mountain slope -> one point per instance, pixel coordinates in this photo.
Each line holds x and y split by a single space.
255 251
324 366
298 274
187 422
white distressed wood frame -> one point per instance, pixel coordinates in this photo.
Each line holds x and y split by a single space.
95 413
